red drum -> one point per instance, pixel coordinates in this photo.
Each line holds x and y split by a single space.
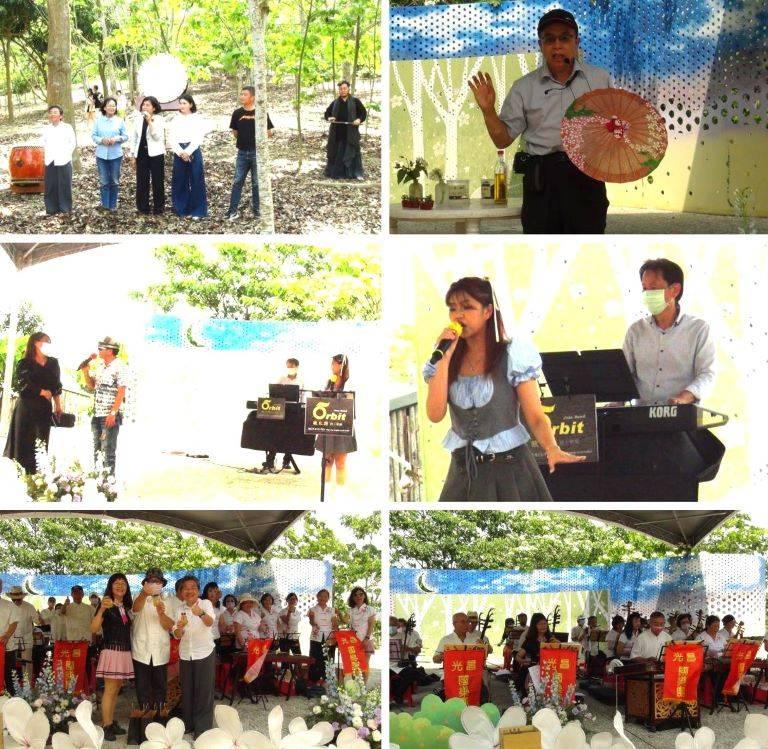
27 166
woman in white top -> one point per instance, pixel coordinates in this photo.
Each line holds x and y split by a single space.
58 144
324 621
147 147
269 617
288 625
197 656
612 638
188 177
629 635
212 593
362 618
247 621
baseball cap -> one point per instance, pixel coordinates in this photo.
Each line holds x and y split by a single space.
558 15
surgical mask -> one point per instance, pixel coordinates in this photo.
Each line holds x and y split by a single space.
291 371
152 589
392 631
654 301
46 349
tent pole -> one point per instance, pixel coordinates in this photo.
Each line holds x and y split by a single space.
10 352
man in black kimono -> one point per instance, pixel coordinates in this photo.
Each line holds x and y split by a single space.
345 115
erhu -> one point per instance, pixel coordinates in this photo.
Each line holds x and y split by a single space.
485 622
555 619
699 628
410 625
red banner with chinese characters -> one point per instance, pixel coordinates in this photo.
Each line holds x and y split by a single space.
353 657
257 653
742 656
68 661
464 674
560 661
174 651
683 663
2 667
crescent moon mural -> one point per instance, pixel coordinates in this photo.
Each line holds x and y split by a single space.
28 586
421 583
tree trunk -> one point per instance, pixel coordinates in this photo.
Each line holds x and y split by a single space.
258 10
356 56
60 64
302 52
8 84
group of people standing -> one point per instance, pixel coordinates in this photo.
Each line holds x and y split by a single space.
134 635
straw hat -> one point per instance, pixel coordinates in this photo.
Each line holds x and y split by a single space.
245 598
16 592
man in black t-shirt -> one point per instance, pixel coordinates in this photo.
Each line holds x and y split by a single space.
243 127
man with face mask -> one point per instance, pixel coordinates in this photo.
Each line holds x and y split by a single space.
291 377
649 643
670 354
557 197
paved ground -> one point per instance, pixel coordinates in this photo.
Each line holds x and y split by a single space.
623 221
728 727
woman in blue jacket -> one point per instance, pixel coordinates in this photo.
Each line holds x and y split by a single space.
109 134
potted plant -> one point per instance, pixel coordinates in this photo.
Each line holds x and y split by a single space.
441 191
408 202
427 204
409 171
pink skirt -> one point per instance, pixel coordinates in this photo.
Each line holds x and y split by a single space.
115 664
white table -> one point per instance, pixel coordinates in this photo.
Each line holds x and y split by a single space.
466 218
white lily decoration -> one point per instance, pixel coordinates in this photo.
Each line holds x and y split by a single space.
755 732
26 728
704 738
230 735
169 736
348 739
83 734
480 732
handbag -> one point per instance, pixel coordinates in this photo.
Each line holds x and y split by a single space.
65 420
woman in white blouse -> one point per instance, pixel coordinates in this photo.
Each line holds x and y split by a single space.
362 618
324 621
629 635
247 621
288 625
269 617
59 142
188 177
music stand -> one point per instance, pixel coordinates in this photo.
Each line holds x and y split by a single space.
682 707
602 373
727 699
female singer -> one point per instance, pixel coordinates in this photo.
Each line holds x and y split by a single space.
362 618
337 447
115 665
486 380
39 379
109 134
629 635
188 176
148 149
528 654
288 625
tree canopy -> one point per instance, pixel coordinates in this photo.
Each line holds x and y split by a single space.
269 282
528 541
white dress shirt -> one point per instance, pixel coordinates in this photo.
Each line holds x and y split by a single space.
78 618
628 643
24 634
714 645
197 640
649 645
451 639
149 641
611 640
678 635
323 622
474 637
666 362
58 143
9 613
186 128
358 620
290 630
249 623
270 620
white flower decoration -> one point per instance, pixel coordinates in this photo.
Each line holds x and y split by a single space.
26 729
170 736
480 732
704 738
230 734
83 734
348 739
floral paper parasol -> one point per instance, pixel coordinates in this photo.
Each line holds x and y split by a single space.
614 135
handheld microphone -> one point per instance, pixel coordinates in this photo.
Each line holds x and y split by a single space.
445 344
85 362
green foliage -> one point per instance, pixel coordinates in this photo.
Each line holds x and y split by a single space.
83 546
356 563
528 541
21 344
270 282
29 321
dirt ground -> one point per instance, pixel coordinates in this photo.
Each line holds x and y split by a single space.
305 202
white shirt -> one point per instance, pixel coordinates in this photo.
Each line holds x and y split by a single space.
413 641
186 128
649 645
270 619
23 636
197 641
628 643
8 614
576 633
475 637
249 622
451 639
226 621
78 621
714 646
724 635
290 630
155 135
149 641
678 635
45 615
215 625
358 620
58 143
610 642
58 627
323 622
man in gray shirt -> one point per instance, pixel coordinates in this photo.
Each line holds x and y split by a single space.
670 354
557 197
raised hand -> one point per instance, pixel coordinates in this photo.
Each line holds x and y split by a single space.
482 87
